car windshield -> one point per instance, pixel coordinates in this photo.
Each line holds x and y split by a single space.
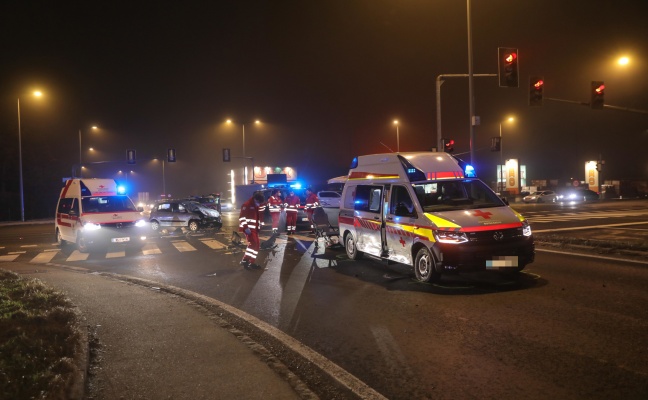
106 204
455 195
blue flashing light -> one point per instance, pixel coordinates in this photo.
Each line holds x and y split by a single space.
470 171
296 185
354 163
121 189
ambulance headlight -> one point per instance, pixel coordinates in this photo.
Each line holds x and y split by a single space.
90 226
450 237
526 228
140 223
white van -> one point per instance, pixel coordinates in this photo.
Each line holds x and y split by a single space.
423 209
92 212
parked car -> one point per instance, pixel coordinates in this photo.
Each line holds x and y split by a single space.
329 198
544 196
577 196
211 201
184 214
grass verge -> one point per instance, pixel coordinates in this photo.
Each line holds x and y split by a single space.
39 339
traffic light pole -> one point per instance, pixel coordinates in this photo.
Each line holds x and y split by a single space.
439 81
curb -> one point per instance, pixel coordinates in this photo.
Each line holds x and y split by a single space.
336 379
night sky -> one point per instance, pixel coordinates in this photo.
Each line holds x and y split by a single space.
326 78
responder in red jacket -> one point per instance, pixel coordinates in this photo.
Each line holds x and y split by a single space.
250 221
291 203
275 205
312 202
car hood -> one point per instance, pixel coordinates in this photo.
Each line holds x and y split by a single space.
477 219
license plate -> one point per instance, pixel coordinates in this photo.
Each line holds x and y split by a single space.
305 219
502 262
120 240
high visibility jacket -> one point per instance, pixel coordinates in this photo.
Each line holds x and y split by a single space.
312 202
274 203
291 203
251 216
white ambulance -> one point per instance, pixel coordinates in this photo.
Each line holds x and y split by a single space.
91 212
428 210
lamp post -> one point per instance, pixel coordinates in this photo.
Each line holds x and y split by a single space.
502 177
22 195
245 176
397 137
94 128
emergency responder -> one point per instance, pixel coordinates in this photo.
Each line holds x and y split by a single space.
275 205
291 203
250 220
312 202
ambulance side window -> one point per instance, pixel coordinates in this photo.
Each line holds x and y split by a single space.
64 207
75 207
368 198
401 204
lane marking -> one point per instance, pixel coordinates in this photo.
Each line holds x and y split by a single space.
589 227
183 246
116 254
213 244
597 256
43 258
8 257
77 256
151 248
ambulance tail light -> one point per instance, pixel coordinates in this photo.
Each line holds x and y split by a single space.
450 237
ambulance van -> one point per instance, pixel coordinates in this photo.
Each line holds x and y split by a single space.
428 210
91 212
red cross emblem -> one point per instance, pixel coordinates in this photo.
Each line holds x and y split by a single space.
480 213
402 241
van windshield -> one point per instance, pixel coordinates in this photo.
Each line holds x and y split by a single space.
453 195
106 204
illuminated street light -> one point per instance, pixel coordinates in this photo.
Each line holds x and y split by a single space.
397 137
245 178
94 128
623 61
36 93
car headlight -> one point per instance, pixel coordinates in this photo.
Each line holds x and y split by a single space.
140 223
91 226
450 237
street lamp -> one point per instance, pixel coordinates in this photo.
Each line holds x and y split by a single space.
502 177
397 137
94 128
245 178
22 196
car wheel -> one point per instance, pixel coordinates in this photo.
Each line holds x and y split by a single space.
155 226
193 226
82 245
351 249
59 239
424 266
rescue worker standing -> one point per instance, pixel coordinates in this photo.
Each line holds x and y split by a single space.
275 204
291 202
312 202
250 221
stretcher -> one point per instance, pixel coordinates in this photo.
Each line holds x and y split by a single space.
323 229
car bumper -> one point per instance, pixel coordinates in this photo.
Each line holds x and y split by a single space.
468 256
113 235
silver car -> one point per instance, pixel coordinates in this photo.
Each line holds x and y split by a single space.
544 196
184 214
329 198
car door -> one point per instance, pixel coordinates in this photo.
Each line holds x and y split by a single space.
368 218
400 222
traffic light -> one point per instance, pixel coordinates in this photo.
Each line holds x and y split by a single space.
496 143
508 66
130 156
536 87
448 145
597 95
226 155
171 155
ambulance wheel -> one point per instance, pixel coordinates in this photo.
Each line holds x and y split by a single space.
82 246
424 266
193 226
59 239
351 250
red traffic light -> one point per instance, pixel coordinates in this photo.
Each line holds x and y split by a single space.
600 89
597 95
508 66
538 84
510 58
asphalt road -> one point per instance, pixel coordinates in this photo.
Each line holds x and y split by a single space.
569 327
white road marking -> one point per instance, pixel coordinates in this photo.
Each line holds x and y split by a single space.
151 248
43 258
77 256
116 254
183 246
213 243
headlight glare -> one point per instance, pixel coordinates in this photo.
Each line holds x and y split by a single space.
450 237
